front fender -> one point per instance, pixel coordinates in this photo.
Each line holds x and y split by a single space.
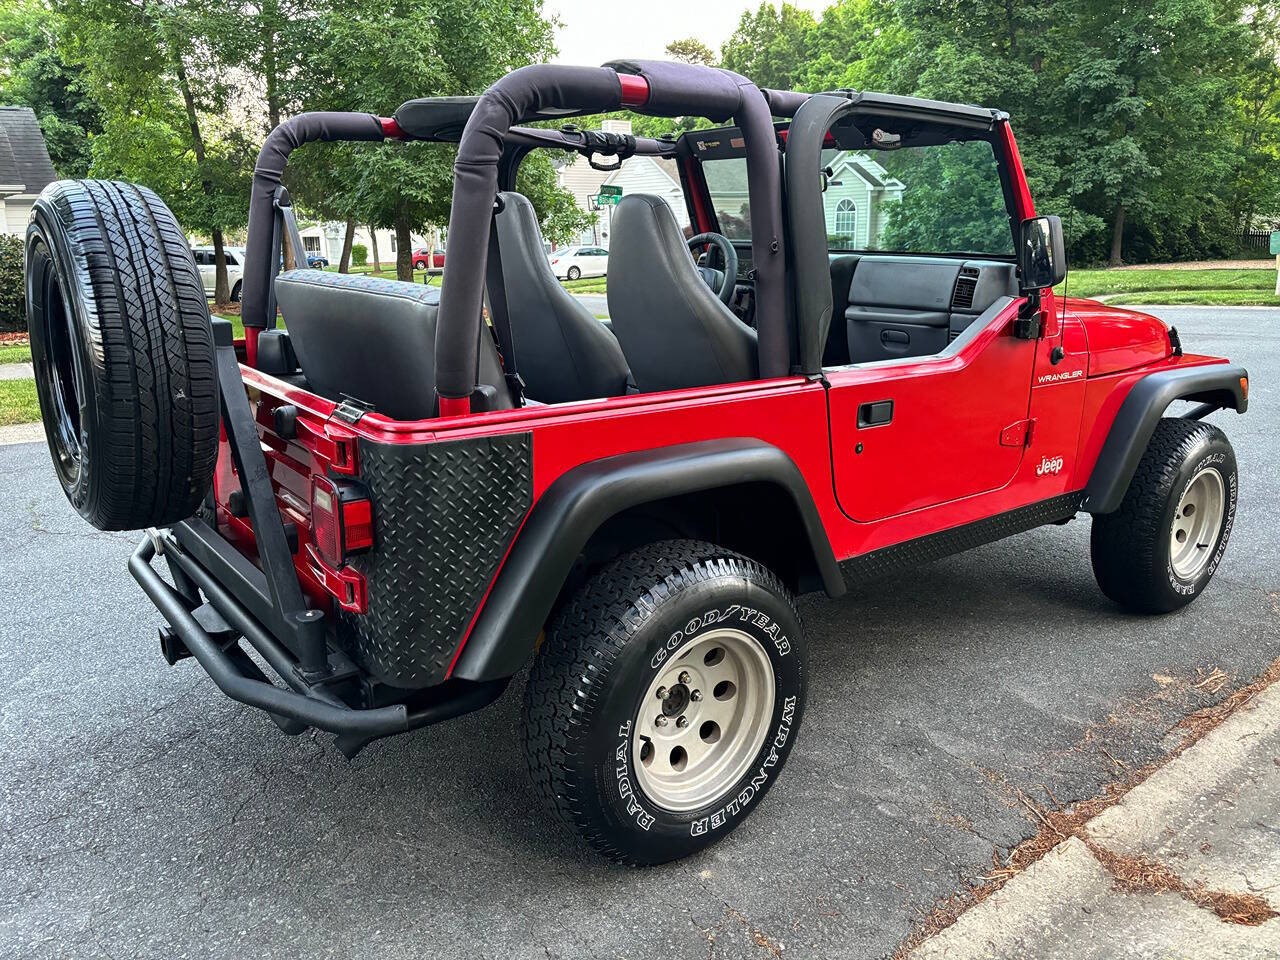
1219 385
575 506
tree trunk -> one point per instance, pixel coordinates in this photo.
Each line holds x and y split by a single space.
344 262
270 67
404 250
1117 237
373 242
221 289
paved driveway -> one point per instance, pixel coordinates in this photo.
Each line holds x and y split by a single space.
143 815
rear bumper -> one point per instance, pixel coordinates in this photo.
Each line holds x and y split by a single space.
212 631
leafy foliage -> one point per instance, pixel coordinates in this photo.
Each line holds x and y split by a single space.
1152 128
13 296
359 254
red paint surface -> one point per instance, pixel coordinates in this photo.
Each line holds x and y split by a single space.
635 90
1119 339
391 130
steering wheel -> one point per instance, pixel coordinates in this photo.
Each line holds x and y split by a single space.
722 282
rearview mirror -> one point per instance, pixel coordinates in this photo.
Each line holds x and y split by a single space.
1042 254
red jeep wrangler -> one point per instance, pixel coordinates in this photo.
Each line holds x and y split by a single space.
374 519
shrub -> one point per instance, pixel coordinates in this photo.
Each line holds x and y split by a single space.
359 254
13 299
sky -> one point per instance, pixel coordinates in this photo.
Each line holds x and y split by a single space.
594 32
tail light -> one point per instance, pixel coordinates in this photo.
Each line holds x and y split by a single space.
341 520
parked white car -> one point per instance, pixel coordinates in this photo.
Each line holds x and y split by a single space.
570 263
209 272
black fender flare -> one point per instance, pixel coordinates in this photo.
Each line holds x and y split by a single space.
582 499
1215 386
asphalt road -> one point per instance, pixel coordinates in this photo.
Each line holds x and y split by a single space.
144 815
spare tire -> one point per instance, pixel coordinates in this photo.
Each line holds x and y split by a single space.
123 353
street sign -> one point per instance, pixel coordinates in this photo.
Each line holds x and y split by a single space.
608 199
1275 242
609 190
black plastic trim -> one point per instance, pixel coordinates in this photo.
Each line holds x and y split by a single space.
912 553
1217 384
575 506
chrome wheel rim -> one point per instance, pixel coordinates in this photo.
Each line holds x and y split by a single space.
1196 523
703 719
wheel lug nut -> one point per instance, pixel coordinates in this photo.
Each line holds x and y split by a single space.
682 721
684 677
660 721
695 696
662 693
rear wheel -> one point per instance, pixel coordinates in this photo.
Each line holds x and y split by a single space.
419 264
574 273
665 700
1160 549
123 353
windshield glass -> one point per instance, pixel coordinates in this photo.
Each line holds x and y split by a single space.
939 199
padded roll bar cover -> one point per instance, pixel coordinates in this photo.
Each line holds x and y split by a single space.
436 119
784 103
255 288
810 260
1131 430
683 89
579 501
522 93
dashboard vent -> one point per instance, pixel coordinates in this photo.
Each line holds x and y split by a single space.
966 286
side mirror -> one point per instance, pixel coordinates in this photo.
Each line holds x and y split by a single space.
1042 254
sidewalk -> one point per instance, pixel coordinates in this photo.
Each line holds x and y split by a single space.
1185 865
21 433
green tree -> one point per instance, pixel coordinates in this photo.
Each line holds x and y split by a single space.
164 99
691 50
37 75
770 46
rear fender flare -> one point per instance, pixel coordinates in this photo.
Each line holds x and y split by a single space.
582 499
1218 385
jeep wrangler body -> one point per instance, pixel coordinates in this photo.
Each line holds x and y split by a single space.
412 492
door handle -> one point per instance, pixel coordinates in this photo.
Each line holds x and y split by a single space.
875 414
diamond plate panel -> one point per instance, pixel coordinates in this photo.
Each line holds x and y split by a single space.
902 556
444 516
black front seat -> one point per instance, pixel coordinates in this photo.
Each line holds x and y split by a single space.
674 330
562 352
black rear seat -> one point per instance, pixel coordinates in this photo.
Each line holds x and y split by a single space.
374 340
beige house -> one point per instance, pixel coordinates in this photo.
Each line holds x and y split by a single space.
25 168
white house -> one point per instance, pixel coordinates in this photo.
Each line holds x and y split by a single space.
325 239
25 168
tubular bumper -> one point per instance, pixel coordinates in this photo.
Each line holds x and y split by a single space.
304 704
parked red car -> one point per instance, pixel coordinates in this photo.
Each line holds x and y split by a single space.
424 259
397 505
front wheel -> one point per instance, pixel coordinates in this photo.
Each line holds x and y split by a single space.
665 700
419 264
574 273
1160 549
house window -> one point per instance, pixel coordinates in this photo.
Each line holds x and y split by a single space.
846 219
393 243
311 244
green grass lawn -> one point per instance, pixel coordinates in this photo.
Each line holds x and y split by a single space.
15 353
1165 286
18 403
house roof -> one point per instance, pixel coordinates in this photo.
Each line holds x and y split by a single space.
24 158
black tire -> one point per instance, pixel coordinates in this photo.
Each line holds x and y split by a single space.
607 645
574 273
123 353
419 264
1132 548
235 292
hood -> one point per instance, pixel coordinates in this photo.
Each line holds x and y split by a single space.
1119 339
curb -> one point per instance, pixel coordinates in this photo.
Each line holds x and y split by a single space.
21 433
1185 859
